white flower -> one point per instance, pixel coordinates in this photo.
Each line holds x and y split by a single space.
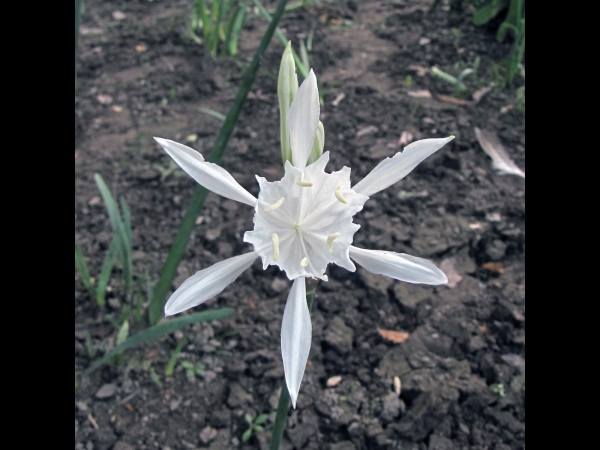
301 224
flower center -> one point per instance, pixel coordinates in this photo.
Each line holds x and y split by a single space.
304 221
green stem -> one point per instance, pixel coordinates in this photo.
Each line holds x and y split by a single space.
284 399
187 224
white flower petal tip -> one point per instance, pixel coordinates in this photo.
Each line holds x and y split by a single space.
303 120
296 337
211 176
207 283
399 266
392 170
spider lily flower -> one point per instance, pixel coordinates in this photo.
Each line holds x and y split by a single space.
302 223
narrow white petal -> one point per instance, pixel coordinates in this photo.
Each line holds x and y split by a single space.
392 170
303 120
400 266
296 337
207 283
211 176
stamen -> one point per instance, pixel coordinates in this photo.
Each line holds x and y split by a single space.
339 196
330 240
303 183
275 240
304 262
275 205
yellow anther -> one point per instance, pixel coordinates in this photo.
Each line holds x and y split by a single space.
304 262
303 183
339 196
330 240
275 240
275 205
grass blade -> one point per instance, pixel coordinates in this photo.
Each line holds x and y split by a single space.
169 270
301 67
304 54
212 113
83 271
118 228
157 331
171 365
234 35
107 265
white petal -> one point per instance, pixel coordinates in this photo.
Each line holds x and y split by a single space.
207 283
392 170
296 337
303 120
211 176
400 266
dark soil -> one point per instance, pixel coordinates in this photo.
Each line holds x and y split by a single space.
466 340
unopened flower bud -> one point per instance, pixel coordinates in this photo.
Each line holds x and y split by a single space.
319 144
287 87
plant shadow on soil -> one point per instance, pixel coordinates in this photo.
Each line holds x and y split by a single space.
462 369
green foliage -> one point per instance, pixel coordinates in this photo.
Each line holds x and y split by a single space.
192 370
220 23
121 225
171 365
159 330
460 89
256 426
302 65
498 389
513 25
120 245
488 10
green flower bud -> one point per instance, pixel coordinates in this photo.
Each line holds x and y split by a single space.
287 87
317 150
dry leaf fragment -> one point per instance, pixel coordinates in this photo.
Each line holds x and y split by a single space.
495 267
338 99
405 138
395 336
104 99
421 71
367 130
93 422
500 160
128 407
423 93
454 100
397 385
334 381
447 266
479 93
191 138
